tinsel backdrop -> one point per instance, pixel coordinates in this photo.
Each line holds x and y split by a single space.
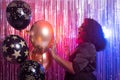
66 16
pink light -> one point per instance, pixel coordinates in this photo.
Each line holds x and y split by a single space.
44 56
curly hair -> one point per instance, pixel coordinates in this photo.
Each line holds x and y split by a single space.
94 33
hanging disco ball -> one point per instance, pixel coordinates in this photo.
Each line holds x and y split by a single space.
18 14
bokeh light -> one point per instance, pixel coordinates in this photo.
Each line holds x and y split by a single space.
44 55
107 32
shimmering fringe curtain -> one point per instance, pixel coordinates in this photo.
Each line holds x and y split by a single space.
65 17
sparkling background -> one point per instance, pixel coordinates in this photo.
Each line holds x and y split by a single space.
66 16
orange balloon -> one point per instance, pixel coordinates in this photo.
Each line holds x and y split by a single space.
41 34
43 58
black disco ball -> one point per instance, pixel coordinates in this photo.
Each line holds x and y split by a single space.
31 70
18 14
15 49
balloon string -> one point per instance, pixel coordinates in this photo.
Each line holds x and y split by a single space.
20 33
42 59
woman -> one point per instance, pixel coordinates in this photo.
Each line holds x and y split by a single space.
82 62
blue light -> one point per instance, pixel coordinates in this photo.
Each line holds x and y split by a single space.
107 32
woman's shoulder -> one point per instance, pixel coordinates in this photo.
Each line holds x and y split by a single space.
86 49
86 45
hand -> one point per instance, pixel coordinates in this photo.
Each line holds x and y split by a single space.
53 50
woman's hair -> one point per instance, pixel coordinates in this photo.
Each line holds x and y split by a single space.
93 33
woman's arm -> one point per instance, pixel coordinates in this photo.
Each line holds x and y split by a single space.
80 61
64 63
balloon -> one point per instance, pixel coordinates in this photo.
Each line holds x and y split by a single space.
15 49
41 34
43 58
18 14
31 70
